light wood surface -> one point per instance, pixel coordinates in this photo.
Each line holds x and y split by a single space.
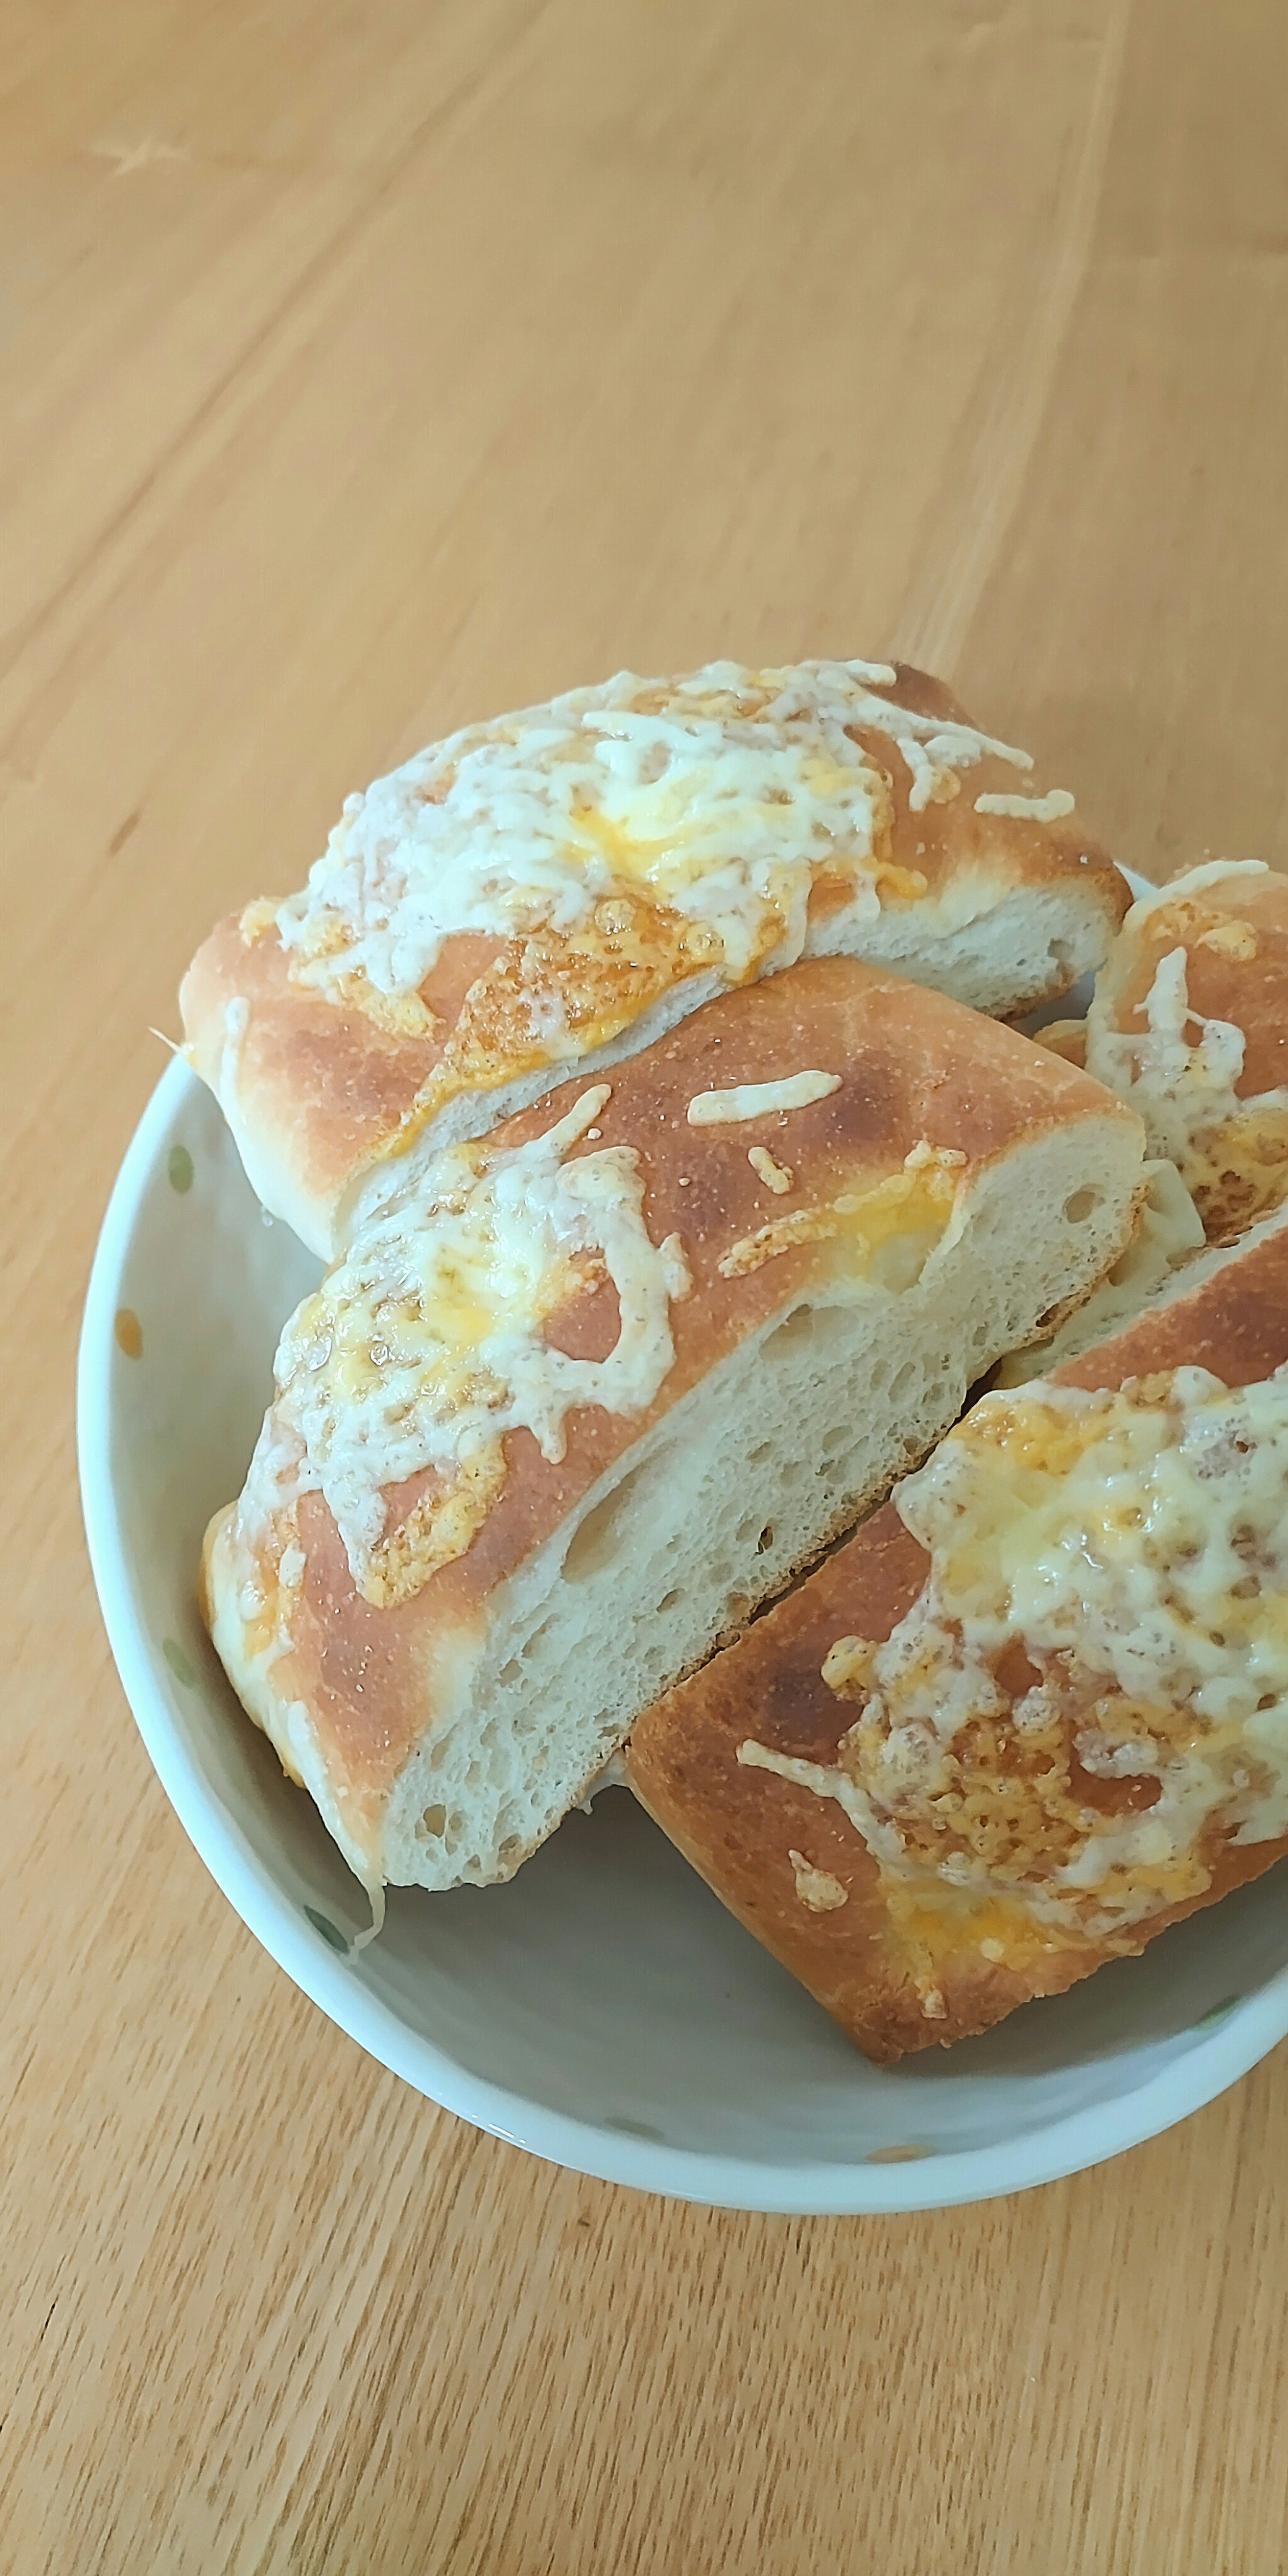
363 369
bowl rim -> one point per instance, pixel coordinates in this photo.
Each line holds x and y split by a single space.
1068 2144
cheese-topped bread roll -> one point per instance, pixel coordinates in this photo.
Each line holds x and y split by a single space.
1190 1024
559 887
588 1391
1037 1709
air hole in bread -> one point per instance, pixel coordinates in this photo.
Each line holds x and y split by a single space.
667 1602
793 1328
434 1820
766 1538
593 1544
1083 1204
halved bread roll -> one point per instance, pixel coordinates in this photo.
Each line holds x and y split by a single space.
1190 1024
559 887
587 1393
1037 1709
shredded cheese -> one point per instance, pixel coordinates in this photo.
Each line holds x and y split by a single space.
776 1176
889 1230
817 1888
1231 1151
426 1345
1132 1546
720 797
1050 808
760 1099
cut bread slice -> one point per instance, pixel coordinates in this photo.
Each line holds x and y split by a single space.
560 887
1037 1708
1167 1234
580 1400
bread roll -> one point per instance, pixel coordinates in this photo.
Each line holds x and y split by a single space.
582 1397
1037 1709
1190 1024
1202 959
558 888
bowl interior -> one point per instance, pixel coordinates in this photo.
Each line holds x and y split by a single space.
602 2007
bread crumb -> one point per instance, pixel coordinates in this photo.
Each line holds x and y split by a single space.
992 1950
593 1135
933 2006
776 1176
817 1888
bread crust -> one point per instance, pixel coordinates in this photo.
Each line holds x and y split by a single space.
869 1961
320 1093
916 1071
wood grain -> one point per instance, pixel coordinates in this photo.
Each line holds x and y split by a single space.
368 368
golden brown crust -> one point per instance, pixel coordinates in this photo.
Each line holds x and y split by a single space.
916 1068
319 1091
871 1960
1065 1038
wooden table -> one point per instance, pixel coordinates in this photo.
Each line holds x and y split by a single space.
366 368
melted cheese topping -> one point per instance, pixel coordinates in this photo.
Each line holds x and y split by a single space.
1231 1152
760 1099
1132 1549
889 1230
716 800
425 1346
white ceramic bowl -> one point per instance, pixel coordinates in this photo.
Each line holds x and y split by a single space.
602 2009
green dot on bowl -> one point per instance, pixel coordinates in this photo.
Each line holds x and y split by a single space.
180 1169
321 1923
178 1663
1216 2012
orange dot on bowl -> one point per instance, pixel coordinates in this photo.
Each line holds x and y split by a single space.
129 1333
909 2155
